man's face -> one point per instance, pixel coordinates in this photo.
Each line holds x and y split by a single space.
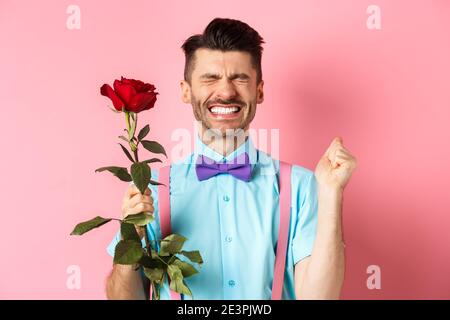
223 90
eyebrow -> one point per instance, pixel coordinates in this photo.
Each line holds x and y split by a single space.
231 77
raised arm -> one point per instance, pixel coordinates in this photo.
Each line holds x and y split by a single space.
321 275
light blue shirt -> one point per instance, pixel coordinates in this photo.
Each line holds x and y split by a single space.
234 224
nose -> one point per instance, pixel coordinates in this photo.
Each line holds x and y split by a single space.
226 89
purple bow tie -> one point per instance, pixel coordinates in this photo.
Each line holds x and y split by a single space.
239 167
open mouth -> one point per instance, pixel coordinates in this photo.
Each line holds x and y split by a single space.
224 110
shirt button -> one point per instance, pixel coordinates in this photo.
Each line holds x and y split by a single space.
231 283
226 198
228 239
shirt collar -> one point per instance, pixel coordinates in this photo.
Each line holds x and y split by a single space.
202 149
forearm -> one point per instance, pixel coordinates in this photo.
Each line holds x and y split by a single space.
125 283
324 275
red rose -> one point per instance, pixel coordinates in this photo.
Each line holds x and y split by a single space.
131 95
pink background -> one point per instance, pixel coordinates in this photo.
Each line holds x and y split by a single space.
386 92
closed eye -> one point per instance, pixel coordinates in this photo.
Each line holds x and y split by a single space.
208 77
240 77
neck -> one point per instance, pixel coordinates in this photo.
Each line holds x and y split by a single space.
224 144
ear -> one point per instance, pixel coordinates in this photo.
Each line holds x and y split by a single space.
185 91
260 92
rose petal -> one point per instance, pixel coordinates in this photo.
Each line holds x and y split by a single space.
138 85
148 87
150 104
107 91
125 91
142 101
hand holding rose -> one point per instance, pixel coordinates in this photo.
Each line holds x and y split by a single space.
157 258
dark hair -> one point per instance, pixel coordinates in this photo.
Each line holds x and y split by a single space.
225 35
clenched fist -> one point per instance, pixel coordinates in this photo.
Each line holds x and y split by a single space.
134 202
335 167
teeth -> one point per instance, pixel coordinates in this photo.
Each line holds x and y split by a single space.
221 110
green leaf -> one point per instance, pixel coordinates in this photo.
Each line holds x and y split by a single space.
152 160
176 280
152 263
127 153
194 256
153 146
139 219
180 287
155 254
174 272
141 174
128 232
119 172
86 226
168 258
154 274
124 138
159 257
171 244
143 133
156 183
128 252
171 259
146 261
186 269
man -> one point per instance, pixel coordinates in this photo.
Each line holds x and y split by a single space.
234 222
